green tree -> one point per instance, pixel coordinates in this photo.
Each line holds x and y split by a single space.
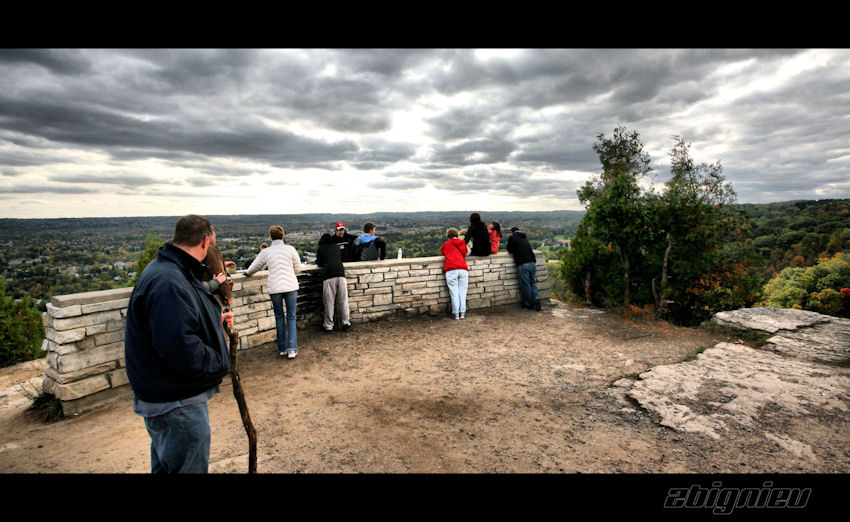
616 205
820 288
152 245
699 234
21 330
682 250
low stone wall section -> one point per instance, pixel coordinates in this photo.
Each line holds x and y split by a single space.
84 333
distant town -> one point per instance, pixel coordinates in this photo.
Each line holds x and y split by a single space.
44 257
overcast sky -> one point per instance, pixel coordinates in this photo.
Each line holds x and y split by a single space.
169 132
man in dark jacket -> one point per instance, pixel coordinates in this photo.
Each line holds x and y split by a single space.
334 284
526 263
368 246
345 242
175 350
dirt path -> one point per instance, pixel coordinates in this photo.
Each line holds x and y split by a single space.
503 391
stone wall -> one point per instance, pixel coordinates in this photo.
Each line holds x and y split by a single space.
84 333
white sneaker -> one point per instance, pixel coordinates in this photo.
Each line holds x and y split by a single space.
462 316
291 354
455 316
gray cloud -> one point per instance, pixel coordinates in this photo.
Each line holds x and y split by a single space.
472 152
109 131
40 189
62 62
107 179
487 120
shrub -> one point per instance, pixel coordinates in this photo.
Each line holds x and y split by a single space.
822 288
21 330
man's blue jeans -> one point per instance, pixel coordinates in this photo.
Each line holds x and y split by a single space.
527 277
180 440
287 338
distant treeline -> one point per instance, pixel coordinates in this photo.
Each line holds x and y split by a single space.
798 233
37 254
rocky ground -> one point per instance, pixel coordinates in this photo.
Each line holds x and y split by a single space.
564 390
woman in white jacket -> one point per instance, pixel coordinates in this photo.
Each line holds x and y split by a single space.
284 265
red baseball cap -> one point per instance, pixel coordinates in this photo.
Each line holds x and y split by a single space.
340 225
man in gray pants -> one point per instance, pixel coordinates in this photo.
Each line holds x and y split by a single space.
334 284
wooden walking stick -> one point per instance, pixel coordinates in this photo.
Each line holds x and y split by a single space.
233 334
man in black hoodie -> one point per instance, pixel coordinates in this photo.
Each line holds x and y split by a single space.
334 284
526 263
175 350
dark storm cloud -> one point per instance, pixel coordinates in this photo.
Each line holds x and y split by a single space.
473 152
107 179
518 183
388 64
347 101
461 123
62 62
194 71
41 189
96 127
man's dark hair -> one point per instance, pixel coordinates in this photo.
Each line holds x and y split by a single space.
191 230
368 226
475 217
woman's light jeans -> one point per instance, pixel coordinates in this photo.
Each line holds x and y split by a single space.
285 325
457 281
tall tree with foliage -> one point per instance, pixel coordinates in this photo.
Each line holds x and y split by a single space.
21 330
680 251
616 205
696 221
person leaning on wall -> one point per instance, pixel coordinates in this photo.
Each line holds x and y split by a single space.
368 246
526 263
334 284
284 265
345 242
479 236
456 272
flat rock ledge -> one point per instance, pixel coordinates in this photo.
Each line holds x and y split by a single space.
798 333
800 372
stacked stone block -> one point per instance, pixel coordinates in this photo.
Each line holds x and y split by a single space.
84 333
84 341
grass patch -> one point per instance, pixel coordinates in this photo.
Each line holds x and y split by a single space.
46 405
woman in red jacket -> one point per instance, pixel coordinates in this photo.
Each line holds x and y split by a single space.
456 270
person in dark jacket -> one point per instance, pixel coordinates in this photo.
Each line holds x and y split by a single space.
526 263
175 350
345 242
479 235
368 246
334 284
